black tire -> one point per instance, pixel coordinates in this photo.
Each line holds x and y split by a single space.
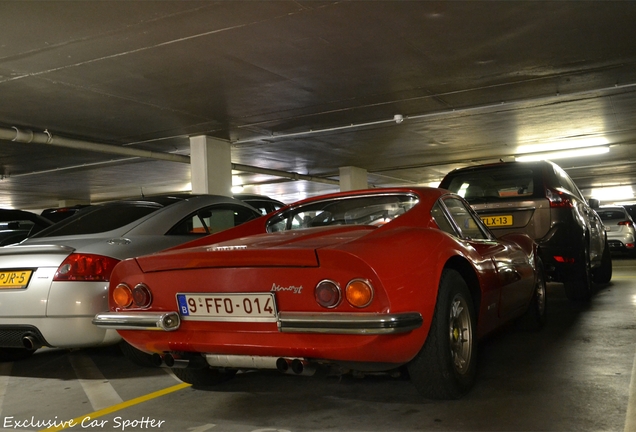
536 316
578 285
14 354
445 366
136 356
203 378
603 274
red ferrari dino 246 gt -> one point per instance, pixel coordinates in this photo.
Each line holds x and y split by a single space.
368 281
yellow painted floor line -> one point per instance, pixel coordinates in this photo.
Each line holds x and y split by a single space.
78 421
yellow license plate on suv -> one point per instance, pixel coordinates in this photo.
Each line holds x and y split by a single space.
15 279
497 221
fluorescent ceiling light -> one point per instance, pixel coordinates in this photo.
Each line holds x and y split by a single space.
563 145
614 193
588 151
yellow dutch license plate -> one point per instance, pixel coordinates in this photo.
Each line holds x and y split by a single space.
497 221
15 279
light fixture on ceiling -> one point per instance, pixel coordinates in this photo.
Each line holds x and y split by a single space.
613 193
561 154
563 144
237 184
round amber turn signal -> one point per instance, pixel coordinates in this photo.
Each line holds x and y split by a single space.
359 293
122 296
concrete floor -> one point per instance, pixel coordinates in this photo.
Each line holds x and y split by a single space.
573 376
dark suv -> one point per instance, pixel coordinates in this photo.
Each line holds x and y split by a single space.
541 200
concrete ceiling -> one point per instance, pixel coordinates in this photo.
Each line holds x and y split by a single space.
307 87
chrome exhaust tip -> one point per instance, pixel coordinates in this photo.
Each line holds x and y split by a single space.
283 365
174 361
156 360
31 342
302 367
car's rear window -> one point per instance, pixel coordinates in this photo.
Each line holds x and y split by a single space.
373 210
496 183
611 214
99 219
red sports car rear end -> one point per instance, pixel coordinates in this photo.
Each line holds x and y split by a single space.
364 281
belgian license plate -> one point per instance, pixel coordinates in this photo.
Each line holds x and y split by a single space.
228 307
497 221
15 279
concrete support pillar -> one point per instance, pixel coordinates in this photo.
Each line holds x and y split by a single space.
353 178
211 166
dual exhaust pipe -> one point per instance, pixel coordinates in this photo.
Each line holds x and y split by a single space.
293 366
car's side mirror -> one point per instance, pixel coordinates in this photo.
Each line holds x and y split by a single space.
594 203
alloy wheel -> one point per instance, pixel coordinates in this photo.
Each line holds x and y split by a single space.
460 334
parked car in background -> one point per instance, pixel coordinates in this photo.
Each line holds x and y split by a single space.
16 225
60 213
262 203
541 200
53 284
362 281
619 227
631 210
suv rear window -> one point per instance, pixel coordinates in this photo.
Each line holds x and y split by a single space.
493 183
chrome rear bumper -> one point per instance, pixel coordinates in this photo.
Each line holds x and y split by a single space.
348 323
166 321
288 322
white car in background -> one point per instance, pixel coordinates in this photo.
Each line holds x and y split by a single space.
53 283
619 226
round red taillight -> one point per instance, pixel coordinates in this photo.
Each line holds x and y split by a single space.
141 296
122 296
328 294
359 293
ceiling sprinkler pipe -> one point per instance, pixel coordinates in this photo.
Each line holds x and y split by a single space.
27 136
23 136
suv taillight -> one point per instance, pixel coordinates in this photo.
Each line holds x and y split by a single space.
85 267
626 223
558 199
